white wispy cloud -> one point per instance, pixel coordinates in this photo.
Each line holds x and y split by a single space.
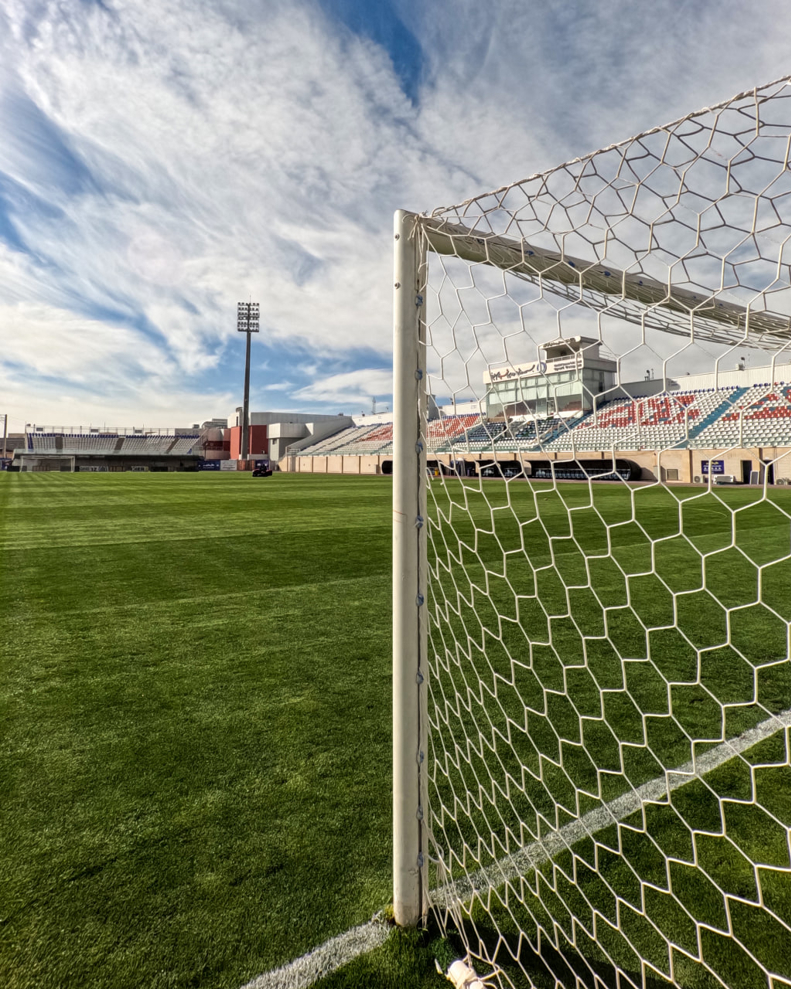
348 388
162 161
226 162
55 362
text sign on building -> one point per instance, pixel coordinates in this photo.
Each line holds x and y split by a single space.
536 368
712 466
209 465
518 371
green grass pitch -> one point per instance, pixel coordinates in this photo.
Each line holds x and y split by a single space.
195 700
196 724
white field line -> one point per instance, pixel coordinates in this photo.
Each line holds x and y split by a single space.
521 862
304 971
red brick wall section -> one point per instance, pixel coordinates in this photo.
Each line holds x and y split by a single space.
259 444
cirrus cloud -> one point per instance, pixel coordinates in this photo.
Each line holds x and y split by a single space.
163 161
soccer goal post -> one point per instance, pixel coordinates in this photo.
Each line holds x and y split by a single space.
592 563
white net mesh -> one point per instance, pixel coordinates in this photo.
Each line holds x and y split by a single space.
609 686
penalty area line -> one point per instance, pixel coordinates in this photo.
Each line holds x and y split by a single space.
321 961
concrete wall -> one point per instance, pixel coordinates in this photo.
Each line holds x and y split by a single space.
347 464
268 418
372 464
689 463
55 462
655 466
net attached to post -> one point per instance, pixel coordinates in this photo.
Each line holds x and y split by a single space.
609 562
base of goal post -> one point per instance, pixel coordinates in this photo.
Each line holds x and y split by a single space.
462 975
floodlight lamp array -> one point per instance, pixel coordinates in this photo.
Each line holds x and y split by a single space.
247 317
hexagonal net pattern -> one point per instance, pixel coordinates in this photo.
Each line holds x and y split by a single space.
608 688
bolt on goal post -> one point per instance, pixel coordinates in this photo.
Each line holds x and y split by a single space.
591 680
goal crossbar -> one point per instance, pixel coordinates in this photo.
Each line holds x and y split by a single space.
602 285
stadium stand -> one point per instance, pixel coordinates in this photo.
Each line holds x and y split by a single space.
752 421
659 422
530 433
370 441
760 416
145 444
337 442
479 437
444 434
450 429
103 443
49 449
182 446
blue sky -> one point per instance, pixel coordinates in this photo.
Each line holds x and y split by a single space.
163 159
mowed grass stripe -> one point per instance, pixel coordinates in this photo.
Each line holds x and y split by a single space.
155 526
131 574
196 791
249 509
250 595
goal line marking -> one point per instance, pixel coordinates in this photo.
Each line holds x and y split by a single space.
531 856
325 959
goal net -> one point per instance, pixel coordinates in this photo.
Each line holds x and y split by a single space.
592 569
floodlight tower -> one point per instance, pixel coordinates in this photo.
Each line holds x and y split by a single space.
247 314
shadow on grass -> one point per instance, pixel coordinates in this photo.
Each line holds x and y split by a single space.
408 960
525 968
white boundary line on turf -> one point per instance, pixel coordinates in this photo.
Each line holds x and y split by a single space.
328 957
303 972
531 856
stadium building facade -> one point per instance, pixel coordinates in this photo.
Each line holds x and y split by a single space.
567 380
272 433
566 416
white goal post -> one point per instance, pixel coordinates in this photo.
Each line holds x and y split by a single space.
409 549
591 562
